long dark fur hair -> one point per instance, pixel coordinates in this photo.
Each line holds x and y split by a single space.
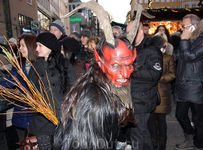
57 61
90 114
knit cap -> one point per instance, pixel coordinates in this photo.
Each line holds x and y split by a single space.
71 44
13 40
76 34
49 40
59 24
86 33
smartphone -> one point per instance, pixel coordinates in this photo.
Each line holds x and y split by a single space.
192 28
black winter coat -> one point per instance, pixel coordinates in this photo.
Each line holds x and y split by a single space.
40 125
190 71
144 79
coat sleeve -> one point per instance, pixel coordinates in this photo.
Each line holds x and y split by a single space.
151 70
6 83
191 52
169 75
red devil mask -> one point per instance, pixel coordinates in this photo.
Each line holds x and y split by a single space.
118 63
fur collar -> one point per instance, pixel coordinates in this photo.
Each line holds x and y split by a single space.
169 49
197 31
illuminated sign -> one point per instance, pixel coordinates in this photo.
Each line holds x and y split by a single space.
75 18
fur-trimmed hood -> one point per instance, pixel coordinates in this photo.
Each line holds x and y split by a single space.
169 49
197 31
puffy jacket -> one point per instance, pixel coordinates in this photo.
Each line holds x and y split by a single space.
144 79
40 125
21 120
188 87
164 84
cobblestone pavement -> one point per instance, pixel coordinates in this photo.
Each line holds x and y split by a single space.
174 131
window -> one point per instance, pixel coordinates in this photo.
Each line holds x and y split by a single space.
157 7
193 5
173 0
156 1
145 1
163 1
178 0
178 6
24 22
7 17
140 1
168 1
173 7
187 6
168 7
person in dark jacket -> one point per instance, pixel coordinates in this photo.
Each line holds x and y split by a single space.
57 28
71 48
157 119
21 121
60 74
144 85
188 87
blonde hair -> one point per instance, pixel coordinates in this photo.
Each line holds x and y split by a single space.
163 35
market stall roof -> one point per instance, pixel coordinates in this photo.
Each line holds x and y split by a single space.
166 14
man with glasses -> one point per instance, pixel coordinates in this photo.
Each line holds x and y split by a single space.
188 92
117 31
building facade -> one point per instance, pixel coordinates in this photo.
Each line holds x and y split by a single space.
15 16
157 4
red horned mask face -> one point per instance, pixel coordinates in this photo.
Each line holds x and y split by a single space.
117 64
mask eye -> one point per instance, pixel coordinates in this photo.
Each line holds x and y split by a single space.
129 66
115 66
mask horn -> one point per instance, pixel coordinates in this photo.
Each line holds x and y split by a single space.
101 14
140 10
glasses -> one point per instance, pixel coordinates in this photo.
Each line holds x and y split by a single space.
116 33
186 26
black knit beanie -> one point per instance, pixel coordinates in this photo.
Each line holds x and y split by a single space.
49 40
71 44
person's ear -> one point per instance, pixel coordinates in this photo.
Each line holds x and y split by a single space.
99 60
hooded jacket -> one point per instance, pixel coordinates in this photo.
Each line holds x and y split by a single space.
164 84
189 69
144 79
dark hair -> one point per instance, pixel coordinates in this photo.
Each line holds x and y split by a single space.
90 113
166 32
30 42
57 60
147 25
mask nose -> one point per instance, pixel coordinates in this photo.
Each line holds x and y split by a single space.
124 72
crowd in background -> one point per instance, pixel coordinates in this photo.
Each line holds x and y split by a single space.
153 82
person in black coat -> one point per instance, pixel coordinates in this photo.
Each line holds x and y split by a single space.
60 75
188 87
144 85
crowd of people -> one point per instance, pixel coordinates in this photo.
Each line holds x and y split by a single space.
77 66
